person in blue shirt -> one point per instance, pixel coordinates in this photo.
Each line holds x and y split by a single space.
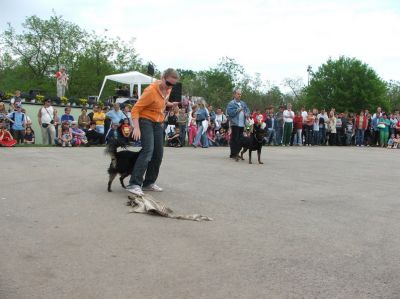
115 114
67 116
18 120
237 112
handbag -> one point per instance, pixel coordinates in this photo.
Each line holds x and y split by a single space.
45 126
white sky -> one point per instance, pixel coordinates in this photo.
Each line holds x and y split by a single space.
276 38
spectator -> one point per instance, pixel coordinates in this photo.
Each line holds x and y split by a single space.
125 130
339 132
279 125
16 100
384 126
211 113
309 126
288 116
192 128
112 133
360 125
220 120
298 128
127 114
46 116
221 137
271 127
94 137
115 114
390 142
83 120
28 121
17 119
65 135
6 138
171 122
211 135
349 131
315 140
173 139
29 137
99 117
202 121
67 115
396 141
78 135
90 114
182 122
332 128
107 120
323 123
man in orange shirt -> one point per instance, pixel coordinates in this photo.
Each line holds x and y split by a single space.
148 117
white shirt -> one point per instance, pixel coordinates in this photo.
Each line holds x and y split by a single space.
288 116
47 116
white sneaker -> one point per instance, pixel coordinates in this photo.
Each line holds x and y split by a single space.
153 187
135 189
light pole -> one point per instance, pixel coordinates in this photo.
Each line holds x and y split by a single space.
309 72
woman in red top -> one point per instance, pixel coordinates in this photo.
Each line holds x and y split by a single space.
6 138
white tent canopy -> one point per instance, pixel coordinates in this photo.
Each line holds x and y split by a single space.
131 78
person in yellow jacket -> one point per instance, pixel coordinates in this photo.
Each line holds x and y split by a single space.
148 117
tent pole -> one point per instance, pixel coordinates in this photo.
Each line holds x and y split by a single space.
102 87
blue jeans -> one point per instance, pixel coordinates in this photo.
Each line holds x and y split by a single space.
100 129
151 155
322 136
203 137
279 135
271 136
298 140
360 136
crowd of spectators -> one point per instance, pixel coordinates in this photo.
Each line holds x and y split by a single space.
196 124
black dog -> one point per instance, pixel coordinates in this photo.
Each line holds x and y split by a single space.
122 162
253 143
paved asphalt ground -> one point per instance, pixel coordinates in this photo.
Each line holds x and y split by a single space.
310 223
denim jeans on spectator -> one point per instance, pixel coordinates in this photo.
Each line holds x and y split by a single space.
322 136
308 134
360 137
201 137
100 129
271 136
349 136
182 134
279 135
298 138
150 156
315 140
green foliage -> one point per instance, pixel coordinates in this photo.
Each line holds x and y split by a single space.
393 94
346 84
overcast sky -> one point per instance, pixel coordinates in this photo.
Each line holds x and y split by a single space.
276 38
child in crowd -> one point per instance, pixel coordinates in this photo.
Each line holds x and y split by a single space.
220 137
112 133
211 135
349 131
29 136
396 141
6 138
78 135
192 130
126 130
94 137
173 139
65 135
390 141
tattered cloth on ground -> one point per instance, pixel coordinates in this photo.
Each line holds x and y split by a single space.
147 205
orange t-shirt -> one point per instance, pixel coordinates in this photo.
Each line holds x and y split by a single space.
151 104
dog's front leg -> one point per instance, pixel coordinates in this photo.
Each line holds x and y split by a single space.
250 157
259 156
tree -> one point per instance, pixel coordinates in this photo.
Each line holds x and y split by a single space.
393 94
346 84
